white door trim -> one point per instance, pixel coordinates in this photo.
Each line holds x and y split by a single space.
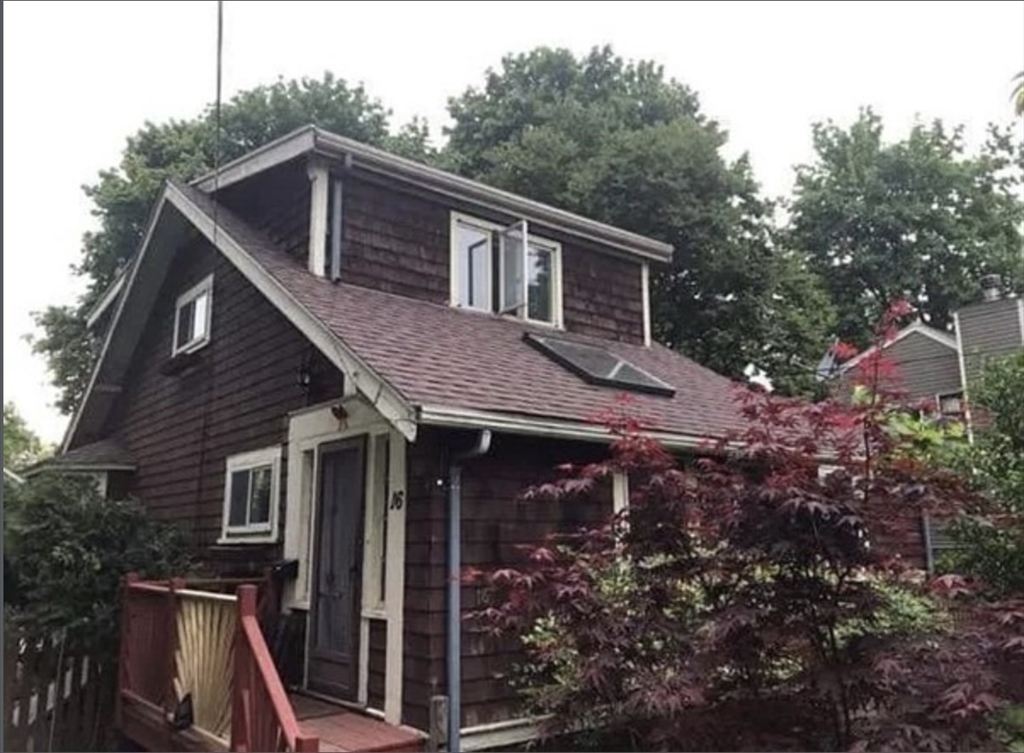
307 430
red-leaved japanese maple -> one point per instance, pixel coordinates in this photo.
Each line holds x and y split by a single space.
757 596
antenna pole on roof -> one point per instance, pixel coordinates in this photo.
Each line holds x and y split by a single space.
216 112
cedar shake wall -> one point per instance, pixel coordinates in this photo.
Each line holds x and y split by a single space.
398 241
276 202
494 524
180 428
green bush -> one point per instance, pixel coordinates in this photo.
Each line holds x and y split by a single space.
69 549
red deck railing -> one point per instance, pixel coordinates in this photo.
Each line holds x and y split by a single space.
170 635
262 718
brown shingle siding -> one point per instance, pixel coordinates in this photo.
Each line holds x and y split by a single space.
181 428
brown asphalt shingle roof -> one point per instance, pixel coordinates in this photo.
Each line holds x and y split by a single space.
102 455
439 356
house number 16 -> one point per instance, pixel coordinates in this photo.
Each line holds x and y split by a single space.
397 500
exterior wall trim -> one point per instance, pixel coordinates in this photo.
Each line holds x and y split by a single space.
1020 318
307 430
106 300
645 292
963 376
501 734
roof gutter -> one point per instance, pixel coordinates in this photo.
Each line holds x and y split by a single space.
460 418
454 631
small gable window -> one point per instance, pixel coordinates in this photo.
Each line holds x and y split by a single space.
192 315
251 496
505 270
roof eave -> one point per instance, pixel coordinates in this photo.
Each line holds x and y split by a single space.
311 139
465 418
456 186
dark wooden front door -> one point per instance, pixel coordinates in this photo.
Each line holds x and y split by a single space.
337 557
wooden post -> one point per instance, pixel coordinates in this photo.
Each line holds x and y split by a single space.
170 697
242 661
123 656
438 723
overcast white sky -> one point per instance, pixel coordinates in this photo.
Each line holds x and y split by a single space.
79 77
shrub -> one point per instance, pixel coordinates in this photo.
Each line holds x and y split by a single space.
749 601
70 548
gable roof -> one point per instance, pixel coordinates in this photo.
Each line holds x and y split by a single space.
313 140
430 364
918 327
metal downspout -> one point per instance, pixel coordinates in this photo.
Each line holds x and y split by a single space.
454 631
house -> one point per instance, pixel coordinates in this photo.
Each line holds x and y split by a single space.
327 354
938 369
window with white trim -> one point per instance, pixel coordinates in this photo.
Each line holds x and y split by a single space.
192 314
505 270
252 496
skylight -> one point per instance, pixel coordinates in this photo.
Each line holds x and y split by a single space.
598 366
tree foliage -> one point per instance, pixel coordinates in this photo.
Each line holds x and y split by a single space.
123 196
749 601
21 445
992 547
621 143
917 218
68 548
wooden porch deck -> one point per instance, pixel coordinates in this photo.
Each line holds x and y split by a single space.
195 674
341 729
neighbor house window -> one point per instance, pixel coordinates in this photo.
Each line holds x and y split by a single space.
951 405
505 270
192 318
251 495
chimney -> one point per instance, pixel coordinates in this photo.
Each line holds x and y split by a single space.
991 287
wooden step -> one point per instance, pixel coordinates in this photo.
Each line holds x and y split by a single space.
342 729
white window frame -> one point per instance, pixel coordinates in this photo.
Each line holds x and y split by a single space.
204 286
259 533
457 219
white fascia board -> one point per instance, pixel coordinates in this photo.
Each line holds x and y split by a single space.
459 418
108 297
288 147
381 395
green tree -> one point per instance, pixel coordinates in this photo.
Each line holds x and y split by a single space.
993 546
918 219
123 195
619 142
21 445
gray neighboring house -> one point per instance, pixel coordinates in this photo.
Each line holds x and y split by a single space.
938 366
939 369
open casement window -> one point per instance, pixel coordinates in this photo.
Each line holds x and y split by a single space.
192 314
251 496
505 270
